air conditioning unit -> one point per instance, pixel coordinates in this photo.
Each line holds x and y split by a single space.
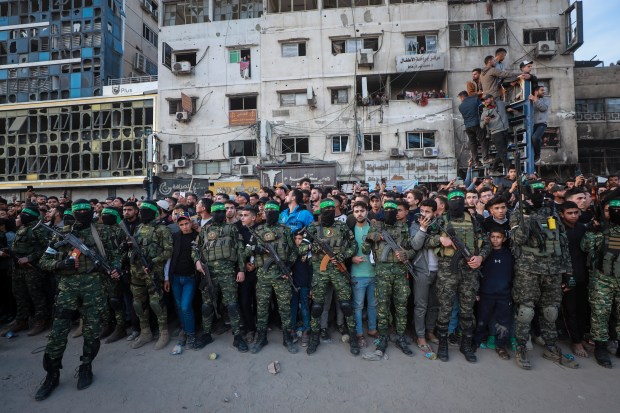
311 97
430 152
546 48
180 163
180 68
365 58
396 153
139 62
293 157
183 116
168 167
246 170
241 160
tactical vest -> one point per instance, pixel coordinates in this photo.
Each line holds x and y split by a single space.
334 236
547 244
274 235
144 235
22 244
465 230
609 254
220 242
399 233
85 265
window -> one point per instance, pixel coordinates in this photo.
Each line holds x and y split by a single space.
242 148
421 43
420 140
149 34
295 144
547 84
487 33
183 56
237 55
293 49
372 142
590 105
534 36
340 143
353 45
283 6
237 9
205 168
186 12
151 7
174 106
340 96
242 102
293 98
613 105
166 56
182 151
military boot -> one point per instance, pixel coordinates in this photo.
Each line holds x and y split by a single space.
146 336
106 330
261 341
164 339
85 376
202 341
442 349
381 343
401 343
467 350
554 353
601 355
315 340
240 343
354 344
79 330
14 326
52 366
289 343
38 327
118 333
521 357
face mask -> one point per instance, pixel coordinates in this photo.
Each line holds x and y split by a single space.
456 208
108 219
219 217
537 199
147 215
328 216
389 216
27 218
272 217
614 216
83 217
69 219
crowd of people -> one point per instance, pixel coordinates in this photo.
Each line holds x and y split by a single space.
497 263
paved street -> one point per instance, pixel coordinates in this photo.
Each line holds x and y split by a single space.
144 380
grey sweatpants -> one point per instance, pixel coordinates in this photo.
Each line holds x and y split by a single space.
426 304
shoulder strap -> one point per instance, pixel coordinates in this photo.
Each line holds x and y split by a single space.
98 242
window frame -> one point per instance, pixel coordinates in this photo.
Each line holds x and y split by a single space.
300 98
172 102
528 33
249 145
243 97
300 45
340 139
372 137
187 9
477 24
150 35
416 35
337 90
421 139
296 143
172 147
351 45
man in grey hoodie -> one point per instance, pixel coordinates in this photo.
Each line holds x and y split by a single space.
495 118
490 77
541 115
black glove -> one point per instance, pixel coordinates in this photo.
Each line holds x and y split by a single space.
66 263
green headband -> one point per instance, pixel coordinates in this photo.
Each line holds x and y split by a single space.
272 206
455 194
81 207
150 206
614 203
31 212
67 212
390 205
537 185
328 203
218 207
111 211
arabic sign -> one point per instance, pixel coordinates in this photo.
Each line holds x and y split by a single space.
241 117
320 175
247 185
130 89
196 186
420 62
421 170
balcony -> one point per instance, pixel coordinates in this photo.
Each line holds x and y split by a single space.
597 116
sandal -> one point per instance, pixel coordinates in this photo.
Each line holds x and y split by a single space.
502 353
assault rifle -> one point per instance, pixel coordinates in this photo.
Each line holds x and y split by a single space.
393 246
206 281
462 250
329 254
75 242
284 269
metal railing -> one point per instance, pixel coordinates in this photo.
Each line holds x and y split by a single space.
134 79
596 116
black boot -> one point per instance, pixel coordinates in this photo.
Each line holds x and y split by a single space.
354 344
260 342
52 366
467 350
85 376
401 343
381 343
240 343
288 342
314 343
202 341
601 355
106 330
442 350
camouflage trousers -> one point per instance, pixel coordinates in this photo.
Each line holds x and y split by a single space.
223 276
147 293
463 282
83 294
391 285
320 280
604 298
282 289
542 291
29 285
114 308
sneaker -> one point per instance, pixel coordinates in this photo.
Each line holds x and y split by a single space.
134 335
490 344
305 338
554 354
453 339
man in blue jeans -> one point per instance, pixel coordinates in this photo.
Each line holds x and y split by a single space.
541 115
300 300
183 280
363 273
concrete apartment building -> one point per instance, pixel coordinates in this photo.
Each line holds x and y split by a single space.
285 88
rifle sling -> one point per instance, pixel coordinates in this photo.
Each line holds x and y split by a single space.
98 242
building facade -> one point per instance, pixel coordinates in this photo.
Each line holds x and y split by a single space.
249 85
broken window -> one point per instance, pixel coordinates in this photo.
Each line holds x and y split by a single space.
237 9
420 43
293 49
296 144
182 151
186 12
485 33
533 36
353 45
175 105
242 148
284 6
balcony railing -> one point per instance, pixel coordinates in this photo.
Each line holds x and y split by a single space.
134 79
596 116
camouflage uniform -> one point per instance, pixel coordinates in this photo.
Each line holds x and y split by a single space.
221 247
28 282
390 274
113 289
155 242
541 256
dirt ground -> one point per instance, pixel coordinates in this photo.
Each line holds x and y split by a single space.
145 380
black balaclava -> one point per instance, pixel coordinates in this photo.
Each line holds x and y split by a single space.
218 212
389 213
148 211
456 204
536 194
82 211
29 214
110 216
272 212
614 211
